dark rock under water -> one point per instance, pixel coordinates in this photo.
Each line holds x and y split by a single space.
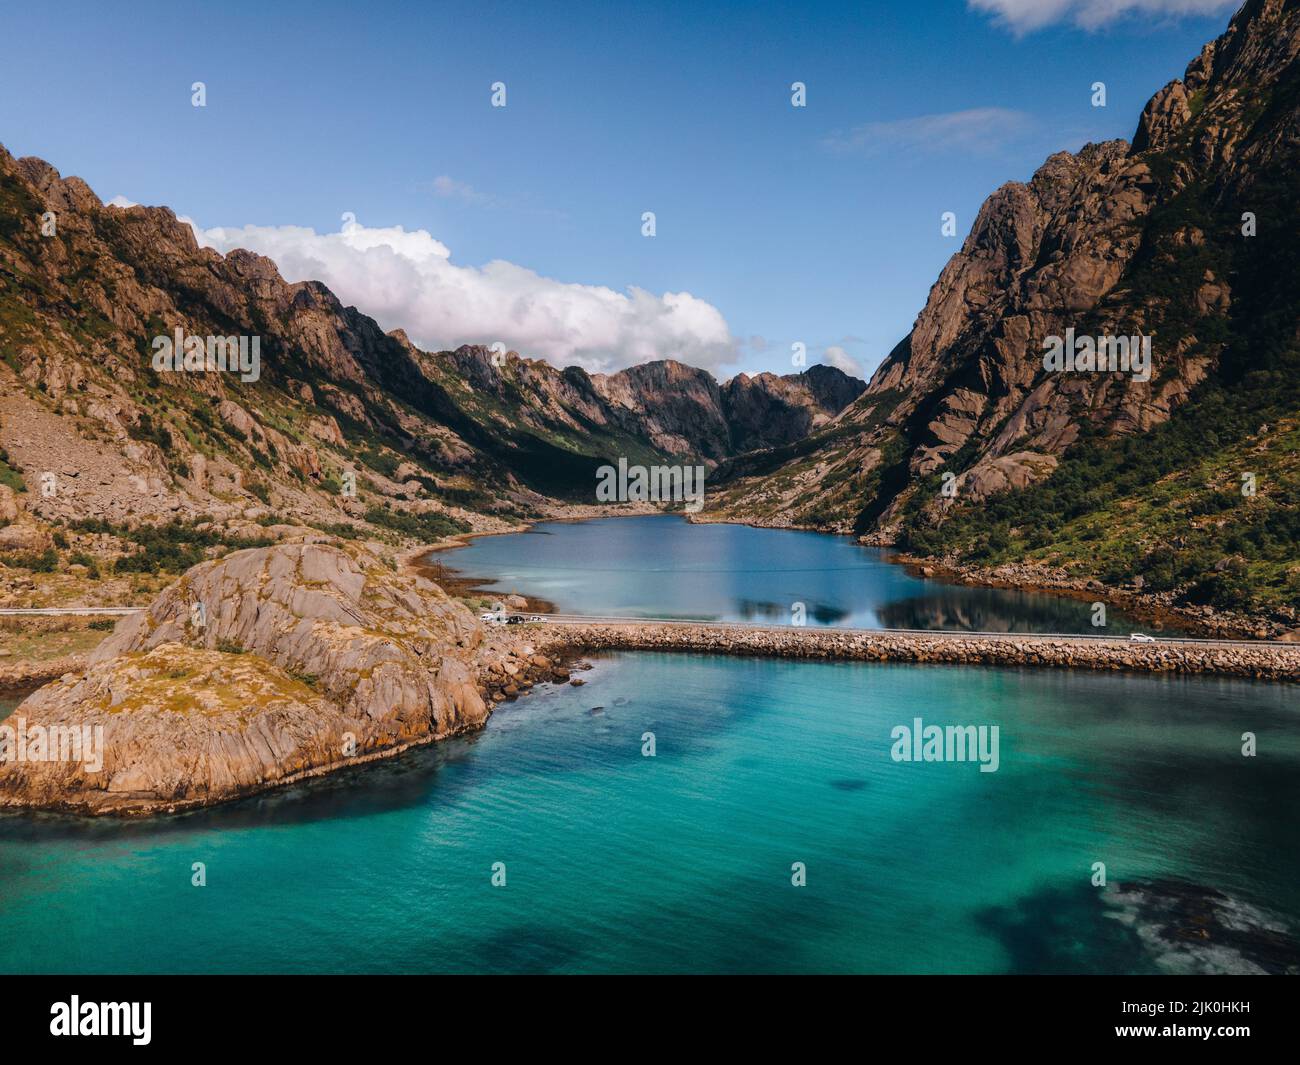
1190 928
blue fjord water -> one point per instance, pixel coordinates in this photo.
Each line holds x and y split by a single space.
617 862
662 566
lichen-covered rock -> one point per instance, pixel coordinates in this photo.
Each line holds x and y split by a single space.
264 667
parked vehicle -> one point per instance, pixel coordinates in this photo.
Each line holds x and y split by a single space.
537 619
515 619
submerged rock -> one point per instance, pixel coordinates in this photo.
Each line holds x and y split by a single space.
1190 928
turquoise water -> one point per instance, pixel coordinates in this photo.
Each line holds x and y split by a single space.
617 862
662 566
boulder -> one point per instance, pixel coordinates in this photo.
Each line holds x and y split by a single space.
993 475
24 537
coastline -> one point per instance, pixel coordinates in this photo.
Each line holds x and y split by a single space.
507 667
1144 607
1200 620
512 664
22 678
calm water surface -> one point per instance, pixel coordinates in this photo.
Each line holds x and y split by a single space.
662 566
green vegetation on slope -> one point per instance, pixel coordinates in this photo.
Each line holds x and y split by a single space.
1167 505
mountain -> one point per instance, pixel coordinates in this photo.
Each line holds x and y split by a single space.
104 456
664 407
1187 236
968 446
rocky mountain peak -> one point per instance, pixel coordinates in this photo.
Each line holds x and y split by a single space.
1179 247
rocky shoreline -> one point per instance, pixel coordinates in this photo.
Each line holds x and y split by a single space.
511 668
265 667
1152 607
20 677
1161 608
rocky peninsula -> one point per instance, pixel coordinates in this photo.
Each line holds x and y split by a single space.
267 666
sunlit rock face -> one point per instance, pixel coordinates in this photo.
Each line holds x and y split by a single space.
266 666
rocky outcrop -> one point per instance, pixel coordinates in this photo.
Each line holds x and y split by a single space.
10 505
23 676
267 666
1062 252
767 410
1005 472
25 537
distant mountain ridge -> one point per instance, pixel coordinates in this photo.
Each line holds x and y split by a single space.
675 409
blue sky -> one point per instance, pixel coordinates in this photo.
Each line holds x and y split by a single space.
818 224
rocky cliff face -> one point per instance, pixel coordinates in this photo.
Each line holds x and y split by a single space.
1183 237
768 411
267 666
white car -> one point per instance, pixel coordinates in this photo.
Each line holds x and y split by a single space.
1140 637
490 617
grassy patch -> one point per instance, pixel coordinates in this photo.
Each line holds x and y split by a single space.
416 526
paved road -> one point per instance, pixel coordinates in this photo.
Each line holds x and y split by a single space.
585 619
69 611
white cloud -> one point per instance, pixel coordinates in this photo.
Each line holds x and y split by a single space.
451 189
839 358
1026 16
979 129
407 279
121 201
